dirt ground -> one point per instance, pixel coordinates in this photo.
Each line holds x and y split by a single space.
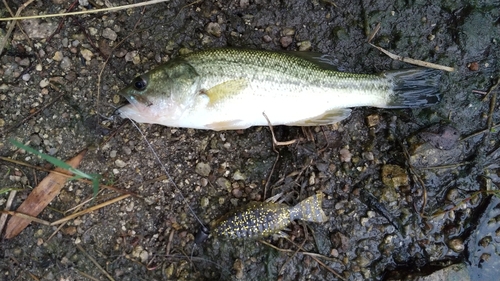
408 192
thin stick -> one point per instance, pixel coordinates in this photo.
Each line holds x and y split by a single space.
12 24
3 218
414 61
272 133
111 9
34 113
24 216
95 262
481 132
85 275
91 209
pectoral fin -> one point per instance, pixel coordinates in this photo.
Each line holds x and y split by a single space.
328 117
225 90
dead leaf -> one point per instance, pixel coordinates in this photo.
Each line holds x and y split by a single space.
40 197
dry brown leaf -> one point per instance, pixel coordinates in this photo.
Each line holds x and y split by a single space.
40 197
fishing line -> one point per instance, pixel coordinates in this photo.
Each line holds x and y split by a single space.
168 175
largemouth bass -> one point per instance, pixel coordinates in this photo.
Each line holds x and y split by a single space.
227 89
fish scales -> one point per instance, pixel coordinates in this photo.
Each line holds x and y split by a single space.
261 219
225 89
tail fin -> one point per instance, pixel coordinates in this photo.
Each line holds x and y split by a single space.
413 87
309 210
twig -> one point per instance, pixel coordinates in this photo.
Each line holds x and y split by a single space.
61 22
414 61
375 31
3 218
110 9
24 216
34 113
12 24
95 262
85 275
91 209
275 142
480 132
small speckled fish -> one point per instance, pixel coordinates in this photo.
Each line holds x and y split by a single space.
225 89
261 219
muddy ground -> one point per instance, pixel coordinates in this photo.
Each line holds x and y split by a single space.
401 187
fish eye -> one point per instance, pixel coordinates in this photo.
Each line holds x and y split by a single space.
140 83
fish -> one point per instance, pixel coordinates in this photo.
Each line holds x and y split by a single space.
261 219
230 89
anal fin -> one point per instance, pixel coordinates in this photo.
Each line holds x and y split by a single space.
328 117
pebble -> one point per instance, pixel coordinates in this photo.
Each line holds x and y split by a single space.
58 56
26 77
457 245
109 33
203 169
66 63
38 67
345 155
44 83
112 154
304 46
286 41
266 38
204 202
2 122
86 54
120 163
238 176
394 176
288 31
24 62
214 29
223 183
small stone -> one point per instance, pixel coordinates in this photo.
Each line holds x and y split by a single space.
26 77
368 156
288 31
238 176
373 120
58 56
83 3
204 202
239 267
237 193
223 183
116 99
39 67
345 155
120 163
394 176
71 230
44 83
24 62
136 252
266 38
2 122
304 46
286 41
86 54
457 245
203 169
65 63
214 29
109 33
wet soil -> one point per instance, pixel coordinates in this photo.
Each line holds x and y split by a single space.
405 196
